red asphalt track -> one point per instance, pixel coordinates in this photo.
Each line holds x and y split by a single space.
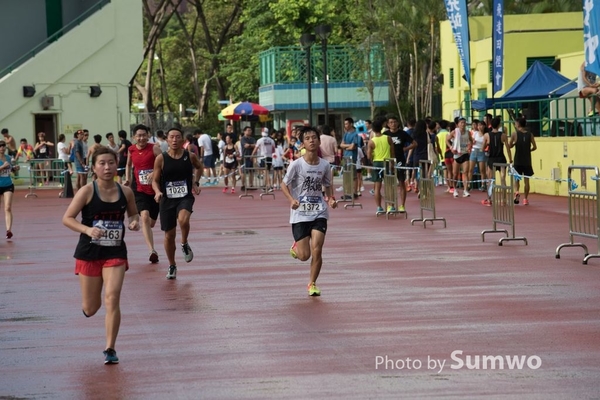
237 322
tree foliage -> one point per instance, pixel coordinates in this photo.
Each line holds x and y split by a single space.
208 50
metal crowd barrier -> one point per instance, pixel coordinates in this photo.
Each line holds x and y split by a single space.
503 207
427 195
390 189
584 209
266 190
259 174
349 183
47 172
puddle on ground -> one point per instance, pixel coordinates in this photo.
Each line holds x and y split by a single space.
235 233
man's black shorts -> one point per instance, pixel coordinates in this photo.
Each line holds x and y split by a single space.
401 174
169 210
300 230
146 202
266 162
498 160
121 170
526 170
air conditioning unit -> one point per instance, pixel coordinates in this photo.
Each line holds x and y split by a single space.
47 102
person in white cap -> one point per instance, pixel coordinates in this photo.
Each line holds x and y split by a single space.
265 147
208 158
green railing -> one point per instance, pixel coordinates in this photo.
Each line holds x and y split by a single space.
557 117
50 39
344 64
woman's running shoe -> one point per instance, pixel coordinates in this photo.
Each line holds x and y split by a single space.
110 356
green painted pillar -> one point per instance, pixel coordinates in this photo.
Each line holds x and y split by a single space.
54 21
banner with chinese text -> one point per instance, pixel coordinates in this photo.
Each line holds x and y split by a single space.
591 20
498 37
457 15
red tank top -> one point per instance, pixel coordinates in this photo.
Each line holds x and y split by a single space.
143 165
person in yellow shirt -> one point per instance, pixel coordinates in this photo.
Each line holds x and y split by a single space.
381 147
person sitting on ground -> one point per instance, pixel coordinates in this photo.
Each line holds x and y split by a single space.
588 87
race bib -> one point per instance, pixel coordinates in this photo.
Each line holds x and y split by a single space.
176 190
144 176
311 204
112 233
43 150
229 159
5 172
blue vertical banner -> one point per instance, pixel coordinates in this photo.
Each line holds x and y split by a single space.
457 15
591 20
498 53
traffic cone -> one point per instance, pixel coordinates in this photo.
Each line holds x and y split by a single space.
67 192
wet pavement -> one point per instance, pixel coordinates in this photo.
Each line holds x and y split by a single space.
397 302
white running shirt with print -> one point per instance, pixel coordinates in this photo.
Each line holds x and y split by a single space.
305 182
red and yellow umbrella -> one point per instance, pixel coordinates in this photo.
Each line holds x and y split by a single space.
259 118
243 110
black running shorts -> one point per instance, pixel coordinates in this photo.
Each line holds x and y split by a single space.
301 230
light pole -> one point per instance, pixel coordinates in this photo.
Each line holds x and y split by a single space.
307 40
323 32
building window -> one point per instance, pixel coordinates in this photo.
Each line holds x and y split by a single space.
481 95
491 72
467 113
451 78
544 60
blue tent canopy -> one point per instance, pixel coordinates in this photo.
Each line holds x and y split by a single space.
538 82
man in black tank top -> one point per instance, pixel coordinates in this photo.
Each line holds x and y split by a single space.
524 143
175 180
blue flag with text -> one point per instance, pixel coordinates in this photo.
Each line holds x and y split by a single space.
498 53
457 15
591 20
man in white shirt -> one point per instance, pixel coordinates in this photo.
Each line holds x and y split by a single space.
206 152
161 140
265 147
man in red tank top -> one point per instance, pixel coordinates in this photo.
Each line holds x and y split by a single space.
140 162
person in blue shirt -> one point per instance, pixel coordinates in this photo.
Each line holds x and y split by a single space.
7 188
351 141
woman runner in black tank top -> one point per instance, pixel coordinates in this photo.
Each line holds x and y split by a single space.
109 216
101 254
